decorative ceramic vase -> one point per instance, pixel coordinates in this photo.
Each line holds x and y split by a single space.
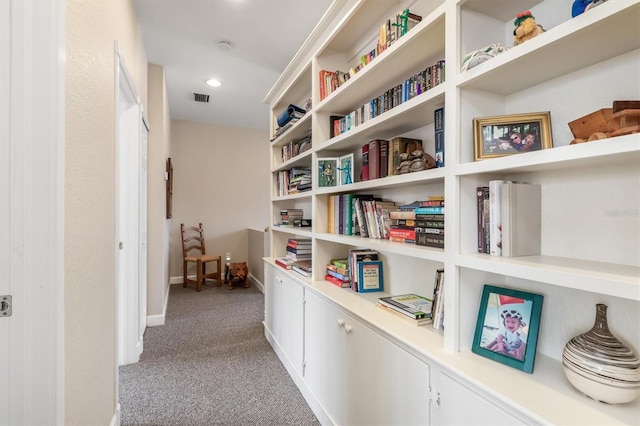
601 366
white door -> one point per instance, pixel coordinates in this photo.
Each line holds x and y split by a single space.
130 208
31 212
142 258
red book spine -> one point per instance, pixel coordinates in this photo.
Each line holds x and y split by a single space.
365 162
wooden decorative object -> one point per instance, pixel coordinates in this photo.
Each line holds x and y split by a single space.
598 121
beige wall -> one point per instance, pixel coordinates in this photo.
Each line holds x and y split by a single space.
220 179
91 28
157 223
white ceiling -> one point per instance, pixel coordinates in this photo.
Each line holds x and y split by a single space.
182 36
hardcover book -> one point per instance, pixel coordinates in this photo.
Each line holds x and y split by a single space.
418 322
370 276
365 162
521 219
412 305
495 224
438 127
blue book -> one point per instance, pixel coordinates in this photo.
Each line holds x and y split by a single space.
429 210
370 276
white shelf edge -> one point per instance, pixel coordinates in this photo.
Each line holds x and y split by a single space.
293 132
622 281
386 117
305 194
559 157
292 230
290 163
386 246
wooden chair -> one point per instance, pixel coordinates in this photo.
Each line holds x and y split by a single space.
193 240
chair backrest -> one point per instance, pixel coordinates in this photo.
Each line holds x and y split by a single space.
192 239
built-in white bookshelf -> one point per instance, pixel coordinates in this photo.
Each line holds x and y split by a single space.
590 192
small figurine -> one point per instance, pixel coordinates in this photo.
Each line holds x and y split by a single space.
526 28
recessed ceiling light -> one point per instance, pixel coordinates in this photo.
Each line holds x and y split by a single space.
213 82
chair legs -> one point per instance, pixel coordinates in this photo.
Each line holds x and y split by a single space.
199 274
184 274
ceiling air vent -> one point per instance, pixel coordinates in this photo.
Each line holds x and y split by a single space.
199 97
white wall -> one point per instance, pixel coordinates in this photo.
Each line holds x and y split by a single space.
158 224
91 28
220 179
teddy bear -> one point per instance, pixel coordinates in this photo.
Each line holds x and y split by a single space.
526 28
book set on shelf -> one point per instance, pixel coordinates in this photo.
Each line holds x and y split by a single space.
361 271
294 181
420 222
509 218
358 214
293 218
411 87
295 148
298 256
391 31
417 309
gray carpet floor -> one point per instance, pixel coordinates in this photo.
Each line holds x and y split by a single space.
210 364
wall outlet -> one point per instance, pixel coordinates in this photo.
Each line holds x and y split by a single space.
228 257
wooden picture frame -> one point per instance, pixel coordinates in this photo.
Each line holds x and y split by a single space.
504 135
327 172
169 188
507 327
345 170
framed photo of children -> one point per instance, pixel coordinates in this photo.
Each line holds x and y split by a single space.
504 135
507 327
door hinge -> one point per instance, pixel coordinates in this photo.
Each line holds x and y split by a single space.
433 396
5 306
120 245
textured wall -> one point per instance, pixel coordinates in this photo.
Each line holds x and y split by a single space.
92 28
220 179
158 224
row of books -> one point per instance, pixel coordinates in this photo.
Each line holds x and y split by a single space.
407 90
295 148
395 27
359 214
420 223
293 217
390 31
294 180
382 158
418 309
509 218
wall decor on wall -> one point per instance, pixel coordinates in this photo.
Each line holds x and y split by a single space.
169 190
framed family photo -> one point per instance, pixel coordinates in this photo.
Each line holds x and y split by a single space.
507 327
503 135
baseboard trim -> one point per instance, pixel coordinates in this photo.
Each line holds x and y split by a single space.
257 283
115 419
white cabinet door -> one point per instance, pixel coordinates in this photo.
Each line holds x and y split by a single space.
360 377
460 405
288 318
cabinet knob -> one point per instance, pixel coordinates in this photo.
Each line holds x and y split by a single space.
340 322
347 328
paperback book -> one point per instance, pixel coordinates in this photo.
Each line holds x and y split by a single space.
411 305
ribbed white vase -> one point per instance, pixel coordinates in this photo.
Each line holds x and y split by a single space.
601 366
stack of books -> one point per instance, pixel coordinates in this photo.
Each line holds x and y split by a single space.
299 249
412 307
303 267
430 223
338 273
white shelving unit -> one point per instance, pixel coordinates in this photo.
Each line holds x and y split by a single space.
590 202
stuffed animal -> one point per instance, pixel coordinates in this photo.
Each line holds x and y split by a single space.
238 272
526 28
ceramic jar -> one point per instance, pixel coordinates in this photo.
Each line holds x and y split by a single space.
601 366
